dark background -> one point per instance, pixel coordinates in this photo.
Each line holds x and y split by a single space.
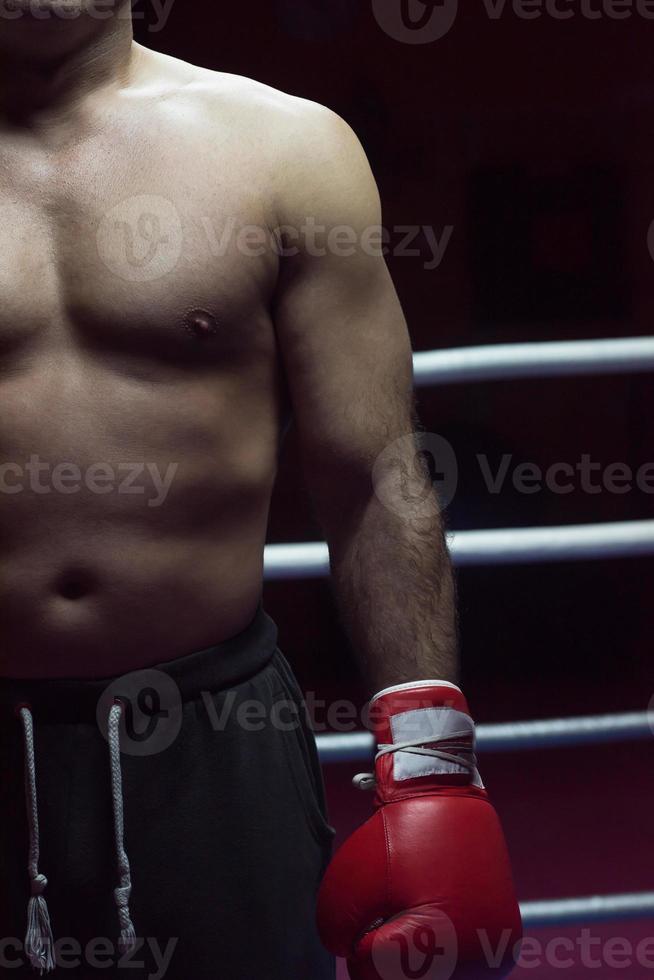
533 140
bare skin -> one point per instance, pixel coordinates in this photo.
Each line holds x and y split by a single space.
159 356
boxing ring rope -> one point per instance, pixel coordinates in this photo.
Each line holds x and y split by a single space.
597 908
511 545
513 736
494 362
582 542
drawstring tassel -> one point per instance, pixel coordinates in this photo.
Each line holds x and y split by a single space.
127 939
38 940
39 943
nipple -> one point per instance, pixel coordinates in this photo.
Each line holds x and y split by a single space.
200 324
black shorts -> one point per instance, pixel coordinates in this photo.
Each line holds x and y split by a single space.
225 828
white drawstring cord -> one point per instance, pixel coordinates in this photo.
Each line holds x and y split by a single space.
127 939
39 944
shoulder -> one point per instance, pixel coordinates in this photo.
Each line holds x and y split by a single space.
246 100
310 149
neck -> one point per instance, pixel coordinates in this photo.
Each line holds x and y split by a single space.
48 69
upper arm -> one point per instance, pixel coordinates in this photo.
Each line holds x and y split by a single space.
340 327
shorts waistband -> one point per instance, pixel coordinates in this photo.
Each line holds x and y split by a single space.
218 667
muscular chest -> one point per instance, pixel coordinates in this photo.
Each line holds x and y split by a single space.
137 241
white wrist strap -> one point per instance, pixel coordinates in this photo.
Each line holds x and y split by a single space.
441 743
413 686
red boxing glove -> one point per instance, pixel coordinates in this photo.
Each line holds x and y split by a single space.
423 890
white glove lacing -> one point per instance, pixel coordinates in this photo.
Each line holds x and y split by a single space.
460 754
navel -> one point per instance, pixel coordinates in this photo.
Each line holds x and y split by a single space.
74 585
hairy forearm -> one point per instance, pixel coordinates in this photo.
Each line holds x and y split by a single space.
395 588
